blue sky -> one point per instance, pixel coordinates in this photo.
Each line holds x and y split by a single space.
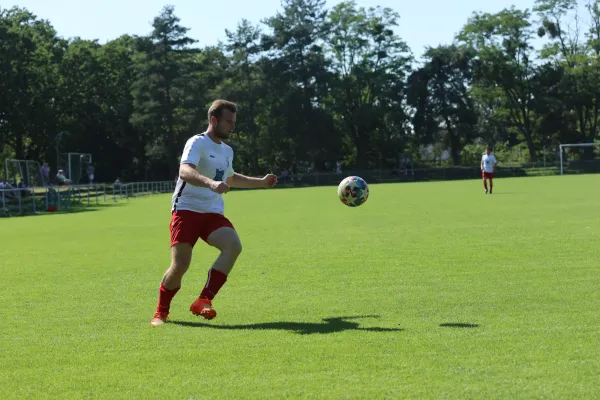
422 23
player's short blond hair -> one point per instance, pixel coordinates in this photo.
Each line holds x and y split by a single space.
217 107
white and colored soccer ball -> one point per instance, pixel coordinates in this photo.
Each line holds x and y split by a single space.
353 191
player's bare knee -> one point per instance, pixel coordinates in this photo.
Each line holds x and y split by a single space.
226 240
180 267
232 247
235 247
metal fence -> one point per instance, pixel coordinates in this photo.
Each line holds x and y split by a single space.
30 201
27 201
441 173
415 175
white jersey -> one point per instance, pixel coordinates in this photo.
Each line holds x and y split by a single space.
488 161
214 161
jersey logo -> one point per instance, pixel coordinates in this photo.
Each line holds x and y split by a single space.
219 175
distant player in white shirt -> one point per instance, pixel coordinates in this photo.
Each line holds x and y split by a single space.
488 167
205 174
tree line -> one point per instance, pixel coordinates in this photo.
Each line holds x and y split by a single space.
314 86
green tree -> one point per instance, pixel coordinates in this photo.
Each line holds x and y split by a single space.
80 102
295 67
163 99
29 49
504 60
370 63
244 83
444 110
119 145
577 62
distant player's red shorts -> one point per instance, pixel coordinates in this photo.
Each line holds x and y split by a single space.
187 226
487 175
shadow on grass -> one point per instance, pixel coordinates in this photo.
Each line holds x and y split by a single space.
92 207
330 325
74 209
458 325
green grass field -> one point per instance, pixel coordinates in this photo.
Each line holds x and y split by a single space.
429 290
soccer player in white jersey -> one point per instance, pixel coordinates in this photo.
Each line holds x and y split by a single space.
205 174
488 167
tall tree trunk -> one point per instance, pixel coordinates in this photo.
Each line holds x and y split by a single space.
362 150
454 141
19 144
171 139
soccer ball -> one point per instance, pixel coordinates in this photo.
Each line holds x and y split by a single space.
353 191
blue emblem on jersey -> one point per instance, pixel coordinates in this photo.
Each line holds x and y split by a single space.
219 175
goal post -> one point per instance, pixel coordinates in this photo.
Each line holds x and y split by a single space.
74 164
562 148
29 172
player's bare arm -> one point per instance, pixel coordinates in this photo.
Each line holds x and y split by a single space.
248 182
189 174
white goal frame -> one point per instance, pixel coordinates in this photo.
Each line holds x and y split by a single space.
28 172
560 147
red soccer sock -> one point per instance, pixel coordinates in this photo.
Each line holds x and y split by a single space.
215 280
164 298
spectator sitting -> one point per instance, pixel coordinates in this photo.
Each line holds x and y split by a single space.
24 191
61 178
8 193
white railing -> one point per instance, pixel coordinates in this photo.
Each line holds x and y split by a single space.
24 201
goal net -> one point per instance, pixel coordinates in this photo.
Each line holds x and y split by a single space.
75 165
579 158
27 171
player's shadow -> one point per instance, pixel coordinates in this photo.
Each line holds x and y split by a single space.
458 325
330 325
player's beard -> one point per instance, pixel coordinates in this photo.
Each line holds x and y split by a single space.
222 134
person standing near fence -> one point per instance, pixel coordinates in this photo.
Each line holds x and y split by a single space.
90 172
205 174
45 172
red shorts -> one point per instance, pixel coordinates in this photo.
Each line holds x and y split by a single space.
187 226
487 175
